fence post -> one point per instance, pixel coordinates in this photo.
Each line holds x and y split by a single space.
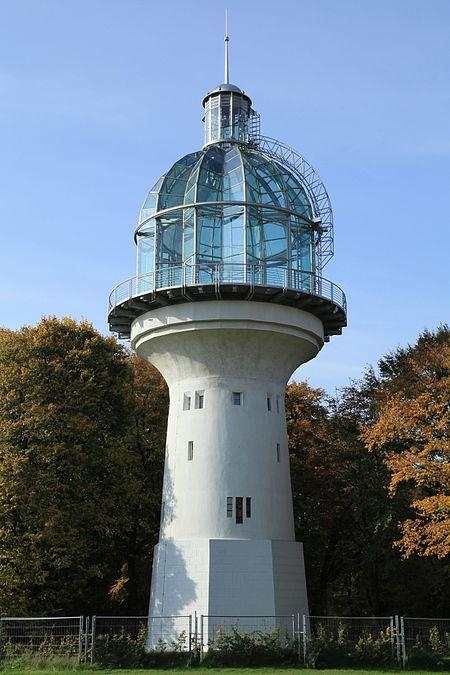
190 632
403 639
80 637
86 639
397 638
293 632
93 627
195 630
392 633
305 643
201 636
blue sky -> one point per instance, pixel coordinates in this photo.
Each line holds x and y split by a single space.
99 98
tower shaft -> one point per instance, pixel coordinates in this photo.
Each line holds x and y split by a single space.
227 538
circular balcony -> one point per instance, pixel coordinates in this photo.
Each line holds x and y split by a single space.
226 281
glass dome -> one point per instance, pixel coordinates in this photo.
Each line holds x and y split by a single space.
231 205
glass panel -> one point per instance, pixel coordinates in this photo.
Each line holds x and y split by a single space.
192 179
174 186
189 197
169 239
301 245
145 213
209 226
150 202
188 234
233 177
206 194
234 194
233 237
166 201
146 248
232 161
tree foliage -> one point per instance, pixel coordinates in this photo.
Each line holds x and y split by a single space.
72 485
412 428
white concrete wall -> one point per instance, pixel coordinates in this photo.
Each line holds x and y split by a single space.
215 348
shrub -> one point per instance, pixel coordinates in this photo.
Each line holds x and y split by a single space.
252 649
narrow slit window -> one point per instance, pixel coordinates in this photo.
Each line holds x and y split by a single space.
278 452
229 507
248 507
237 398
239 510
199 399
269 403
187 402
190 450
278 404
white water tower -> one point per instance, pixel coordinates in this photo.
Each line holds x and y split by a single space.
228 302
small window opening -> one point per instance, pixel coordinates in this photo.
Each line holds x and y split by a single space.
187 402
229 507
278 452
237 398
248 507
190 450
239 510
199 399
269 403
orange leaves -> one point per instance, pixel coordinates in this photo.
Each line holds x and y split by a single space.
412 427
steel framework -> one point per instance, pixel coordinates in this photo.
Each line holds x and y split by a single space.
311 181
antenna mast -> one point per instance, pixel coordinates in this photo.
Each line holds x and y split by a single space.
227 39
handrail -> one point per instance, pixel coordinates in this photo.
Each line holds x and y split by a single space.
203 274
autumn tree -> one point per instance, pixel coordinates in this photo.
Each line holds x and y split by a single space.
345 515
65 395
412 429
341 504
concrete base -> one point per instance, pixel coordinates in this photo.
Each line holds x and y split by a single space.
227 578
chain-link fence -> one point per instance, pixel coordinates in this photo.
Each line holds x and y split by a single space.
432 634
79 636
159 632
42 635
220 632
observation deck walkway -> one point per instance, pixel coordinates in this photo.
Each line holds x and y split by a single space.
227 281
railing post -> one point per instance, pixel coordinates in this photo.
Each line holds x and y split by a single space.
195 630
86 639
403 640
392 631
397 638
80 637
93 629
305 643
201 637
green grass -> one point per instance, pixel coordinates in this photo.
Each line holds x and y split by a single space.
210 671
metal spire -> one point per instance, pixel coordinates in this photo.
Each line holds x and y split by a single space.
227 39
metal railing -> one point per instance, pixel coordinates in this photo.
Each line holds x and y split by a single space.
209 274
42 635
80 636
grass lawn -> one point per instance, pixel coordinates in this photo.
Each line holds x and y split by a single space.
225 671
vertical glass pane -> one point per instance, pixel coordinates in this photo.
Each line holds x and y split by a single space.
169 240
146 248
188 234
